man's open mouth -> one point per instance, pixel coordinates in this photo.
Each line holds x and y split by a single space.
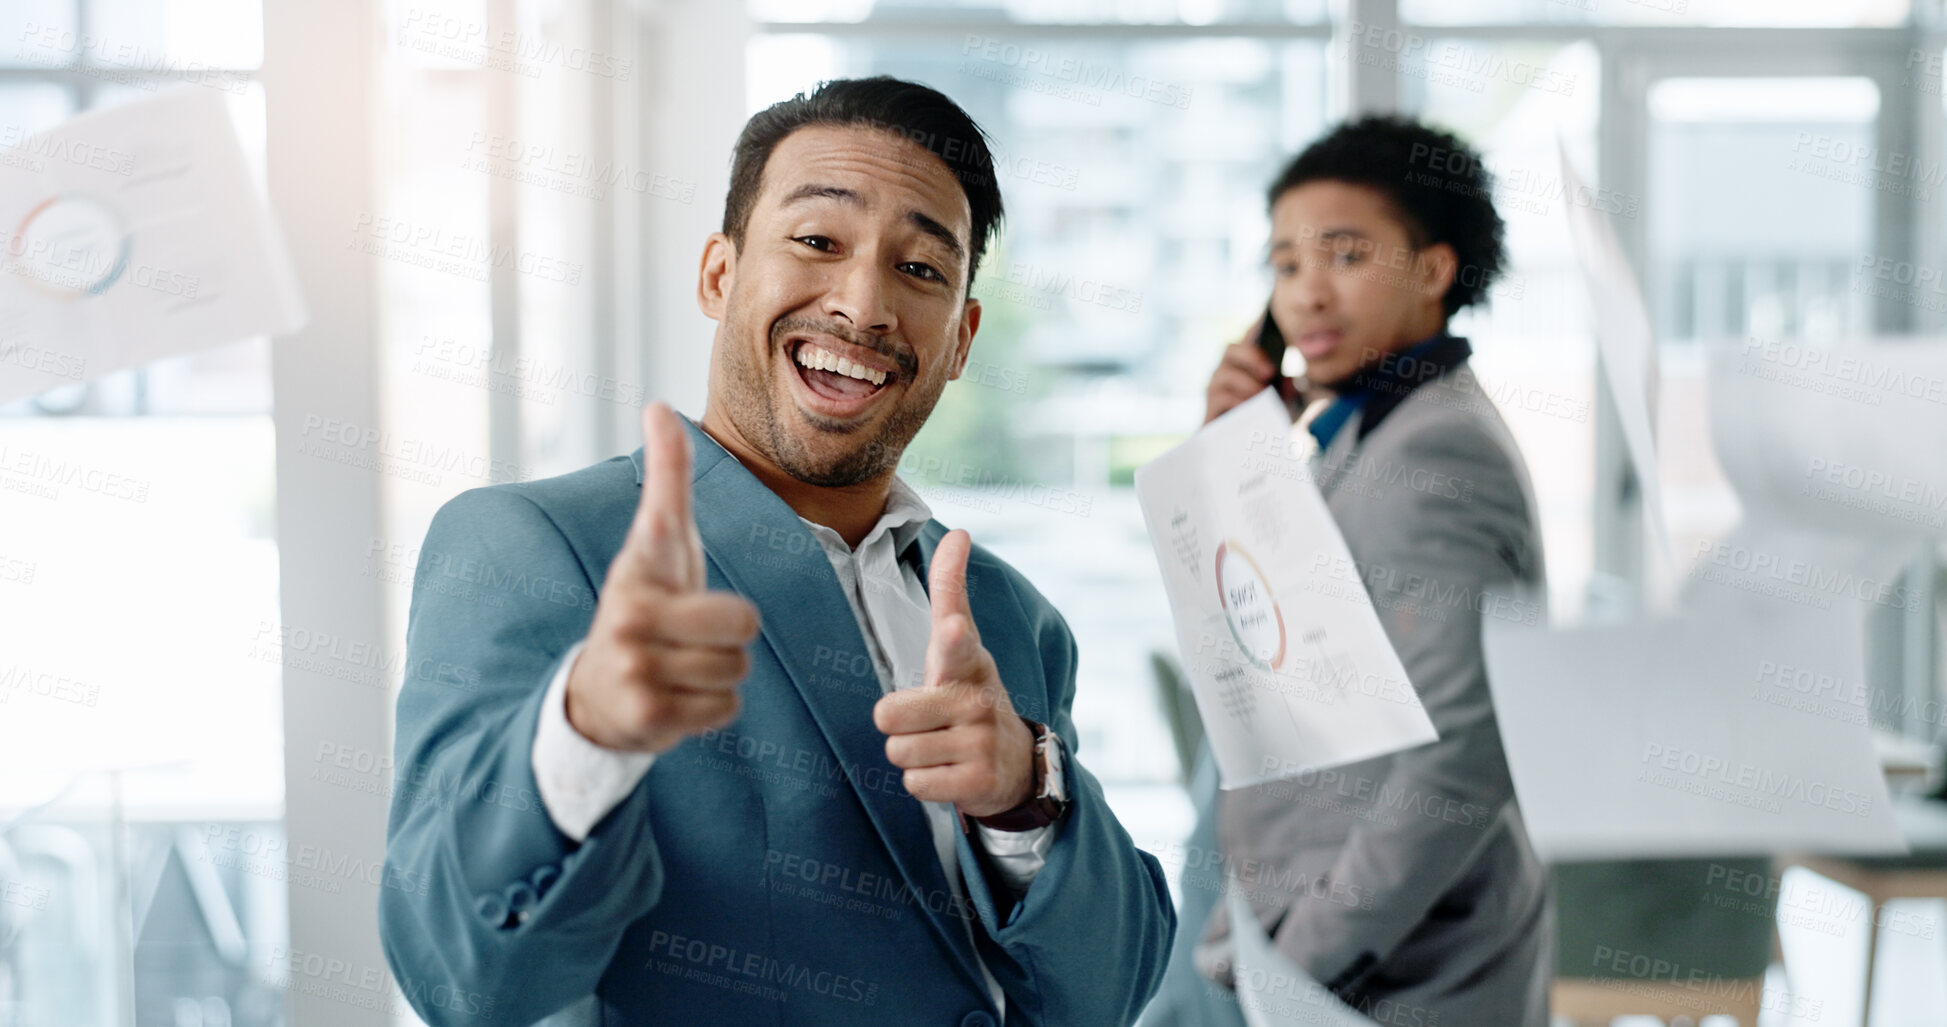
831 376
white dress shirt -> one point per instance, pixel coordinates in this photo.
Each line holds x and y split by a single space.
580 782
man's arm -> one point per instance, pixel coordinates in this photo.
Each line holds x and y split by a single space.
512 907
1452 557
522 899
1087 940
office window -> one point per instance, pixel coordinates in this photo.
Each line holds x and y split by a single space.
142 805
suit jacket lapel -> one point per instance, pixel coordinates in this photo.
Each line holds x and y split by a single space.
804 609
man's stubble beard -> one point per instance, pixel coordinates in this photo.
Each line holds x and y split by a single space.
755 409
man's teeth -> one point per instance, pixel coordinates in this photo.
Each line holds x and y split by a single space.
825 360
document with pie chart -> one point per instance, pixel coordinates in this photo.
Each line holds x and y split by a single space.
1282 649
134 232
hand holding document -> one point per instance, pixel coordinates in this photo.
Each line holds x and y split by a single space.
1289 665
1271 990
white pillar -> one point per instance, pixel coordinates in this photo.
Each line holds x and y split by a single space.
318 80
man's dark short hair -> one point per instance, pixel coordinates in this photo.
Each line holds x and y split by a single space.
1435 183
914 112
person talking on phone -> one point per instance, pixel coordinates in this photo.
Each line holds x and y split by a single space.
742 734
1405 884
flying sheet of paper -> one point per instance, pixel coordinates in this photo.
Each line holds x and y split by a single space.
1289 665
134 232
1271 990
1623 337
1729 732
1830 439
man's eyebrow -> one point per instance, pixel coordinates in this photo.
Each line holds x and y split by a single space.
814 191
938 231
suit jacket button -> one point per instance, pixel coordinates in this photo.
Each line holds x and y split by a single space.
977 1018
543 878
492 909
520 899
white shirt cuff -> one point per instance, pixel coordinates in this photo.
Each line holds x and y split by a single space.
1017 856
579 781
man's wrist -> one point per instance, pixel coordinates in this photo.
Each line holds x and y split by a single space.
1047 798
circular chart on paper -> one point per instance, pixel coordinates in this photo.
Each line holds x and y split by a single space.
69 246
1249 608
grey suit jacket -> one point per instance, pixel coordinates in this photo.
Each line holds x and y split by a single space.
1406 883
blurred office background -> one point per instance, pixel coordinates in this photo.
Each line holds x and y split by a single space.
193 823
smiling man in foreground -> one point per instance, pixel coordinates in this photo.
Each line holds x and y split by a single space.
772 746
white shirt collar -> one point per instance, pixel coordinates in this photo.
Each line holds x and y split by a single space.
904 515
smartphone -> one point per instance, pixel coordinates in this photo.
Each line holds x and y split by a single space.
1270 341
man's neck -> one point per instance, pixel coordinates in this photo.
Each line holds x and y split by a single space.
850 510
1422 330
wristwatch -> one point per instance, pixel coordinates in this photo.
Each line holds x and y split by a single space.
1048 796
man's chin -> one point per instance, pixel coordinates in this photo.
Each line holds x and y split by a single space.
832 467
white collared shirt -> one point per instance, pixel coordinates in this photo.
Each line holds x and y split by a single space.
580 782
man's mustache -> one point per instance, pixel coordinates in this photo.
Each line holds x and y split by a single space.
901 356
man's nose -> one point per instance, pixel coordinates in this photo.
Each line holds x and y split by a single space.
860 296
1311 288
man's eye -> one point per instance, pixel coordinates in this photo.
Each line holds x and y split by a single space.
820 243
1345 258
1285 270
927 271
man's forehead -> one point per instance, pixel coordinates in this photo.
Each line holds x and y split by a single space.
877 163
1319 210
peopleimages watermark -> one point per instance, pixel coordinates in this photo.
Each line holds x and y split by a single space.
1449 63
566 171
1035 63
368 987
30 152
752 973
533 378
505 49
38 474
379 450
1741 783
1874 490
1456 171
44 360
1844 374
122 62
233 846
47 684
1791 578
1848 700
1639 972
1808 901
1838 159
435 248
1260 879
828 882
1043 282
933 474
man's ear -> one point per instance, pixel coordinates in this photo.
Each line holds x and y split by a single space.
1437 266
969 324
717 275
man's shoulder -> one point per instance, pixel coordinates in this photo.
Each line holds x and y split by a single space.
1450 421
593 499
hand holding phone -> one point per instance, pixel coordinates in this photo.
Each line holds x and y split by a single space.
1247 367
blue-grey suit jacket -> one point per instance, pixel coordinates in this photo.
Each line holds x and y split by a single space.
772 872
